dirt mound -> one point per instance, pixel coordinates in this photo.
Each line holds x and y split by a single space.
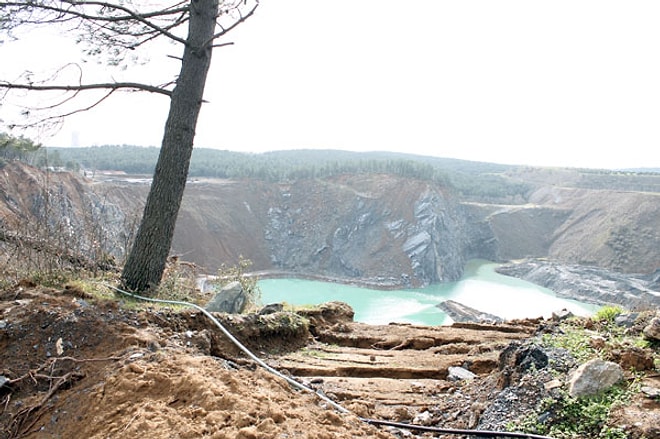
186 396
76 369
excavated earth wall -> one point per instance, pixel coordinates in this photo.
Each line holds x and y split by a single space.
378 229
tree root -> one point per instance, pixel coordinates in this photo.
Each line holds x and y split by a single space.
22 422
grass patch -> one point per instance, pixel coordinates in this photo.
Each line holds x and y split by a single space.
576 418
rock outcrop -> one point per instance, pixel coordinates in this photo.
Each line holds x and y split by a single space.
383 230
463 313
588 284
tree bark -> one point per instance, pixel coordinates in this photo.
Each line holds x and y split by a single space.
146 262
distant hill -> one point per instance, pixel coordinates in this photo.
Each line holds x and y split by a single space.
477 181
467 177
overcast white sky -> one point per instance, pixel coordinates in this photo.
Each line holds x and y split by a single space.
560 83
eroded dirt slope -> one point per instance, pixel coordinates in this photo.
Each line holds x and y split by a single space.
73 366
73 369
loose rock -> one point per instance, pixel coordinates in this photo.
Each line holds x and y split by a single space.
459 374
593 377
562 315
230 299
651 392
652 330
627 320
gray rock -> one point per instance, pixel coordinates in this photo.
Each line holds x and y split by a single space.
271 308
650 392
587 283
652 330
562 315
593 377
3 380
459 374
230 299
627 320
463 313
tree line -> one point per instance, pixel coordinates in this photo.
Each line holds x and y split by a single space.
466 178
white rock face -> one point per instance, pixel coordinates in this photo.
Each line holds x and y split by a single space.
593 377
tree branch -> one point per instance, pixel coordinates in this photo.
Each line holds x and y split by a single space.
236 23
70 13
82 87
132 16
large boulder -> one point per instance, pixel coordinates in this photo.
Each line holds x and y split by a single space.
230 299
593 377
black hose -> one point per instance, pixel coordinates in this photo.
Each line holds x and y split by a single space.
476 433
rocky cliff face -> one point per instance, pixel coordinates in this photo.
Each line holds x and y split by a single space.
59 213
376 229
616 230
382 229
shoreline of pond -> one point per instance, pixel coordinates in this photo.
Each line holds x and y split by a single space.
376 284
585 284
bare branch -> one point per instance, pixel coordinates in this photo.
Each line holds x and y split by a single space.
131 15
241 19
75 10
78 110
82 87
231 43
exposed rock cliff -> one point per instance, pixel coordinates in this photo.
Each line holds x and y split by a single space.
589 284
62 213
377 228
382 229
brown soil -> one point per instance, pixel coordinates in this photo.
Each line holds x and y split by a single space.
82 368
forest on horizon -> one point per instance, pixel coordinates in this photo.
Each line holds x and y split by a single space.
469 179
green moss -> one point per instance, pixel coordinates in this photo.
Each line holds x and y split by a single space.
575 340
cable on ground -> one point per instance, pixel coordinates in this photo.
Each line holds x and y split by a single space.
321 395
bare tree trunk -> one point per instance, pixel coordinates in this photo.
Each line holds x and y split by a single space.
146 262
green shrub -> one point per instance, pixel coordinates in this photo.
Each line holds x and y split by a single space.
607 313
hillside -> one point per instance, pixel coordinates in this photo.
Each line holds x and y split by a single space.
382 229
